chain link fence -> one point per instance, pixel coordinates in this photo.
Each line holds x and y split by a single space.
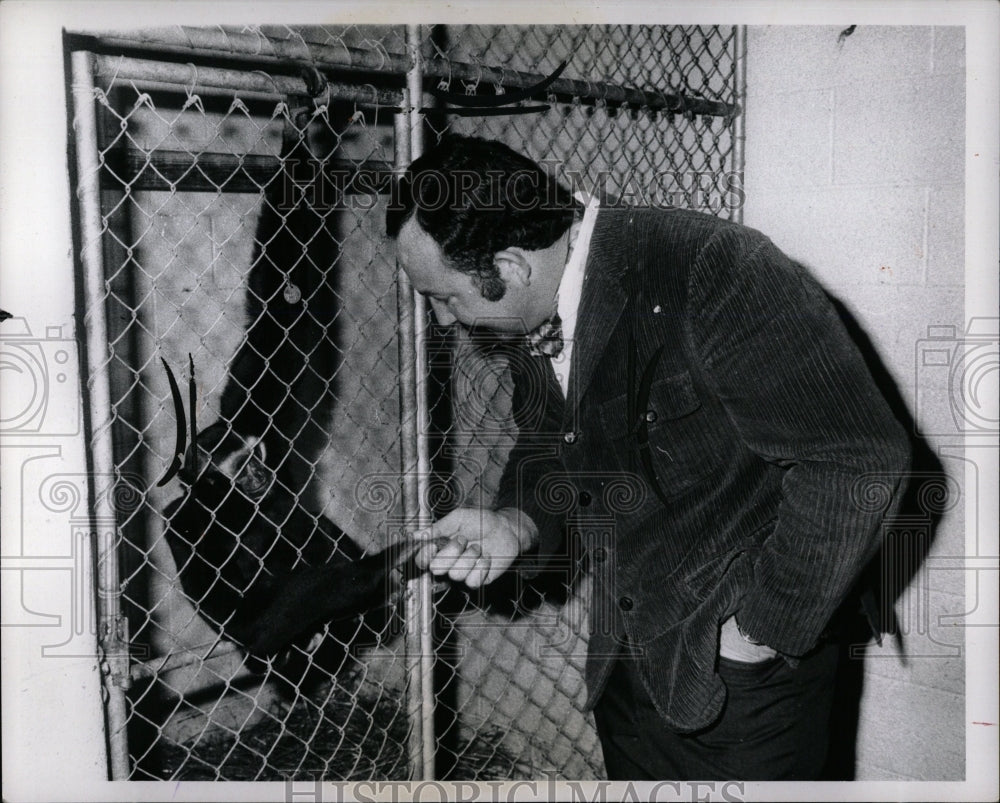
222 215
521 667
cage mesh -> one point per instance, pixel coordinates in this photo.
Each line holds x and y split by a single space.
180 265
193 215
521 667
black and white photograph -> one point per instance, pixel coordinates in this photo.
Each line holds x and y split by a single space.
512 402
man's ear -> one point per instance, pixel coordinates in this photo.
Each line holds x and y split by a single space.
514 266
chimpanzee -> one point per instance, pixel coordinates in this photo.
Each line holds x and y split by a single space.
262 570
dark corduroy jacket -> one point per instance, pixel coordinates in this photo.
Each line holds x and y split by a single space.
722 449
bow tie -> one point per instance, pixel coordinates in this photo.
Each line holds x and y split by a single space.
546 340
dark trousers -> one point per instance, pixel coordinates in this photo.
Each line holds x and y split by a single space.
774 726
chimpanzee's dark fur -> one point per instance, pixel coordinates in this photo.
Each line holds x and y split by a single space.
229 535
260 568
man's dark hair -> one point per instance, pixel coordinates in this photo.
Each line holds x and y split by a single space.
476 197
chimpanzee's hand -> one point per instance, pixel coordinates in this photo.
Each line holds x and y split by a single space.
481 544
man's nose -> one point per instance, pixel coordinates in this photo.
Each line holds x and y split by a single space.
444 317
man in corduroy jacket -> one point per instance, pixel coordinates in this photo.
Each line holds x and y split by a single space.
706 401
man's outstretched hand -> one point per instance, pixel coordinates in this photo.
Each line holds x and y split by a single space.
478 545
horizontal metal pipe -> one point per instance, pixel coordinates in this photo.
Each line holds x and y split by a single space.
196 78
215 172
263 52
198 42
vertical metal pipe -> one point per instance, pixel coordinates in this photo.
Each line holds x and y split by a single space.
740 97
416 460
414 86
408 451
105 532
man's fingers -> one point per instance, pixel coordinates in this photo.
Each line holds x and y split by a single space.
425 555
466 565
460 561
480 574
446 556
457 547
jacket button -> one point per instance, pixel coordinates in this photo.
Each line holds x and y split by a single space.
570 437
626 604
600 554
651 416
585 499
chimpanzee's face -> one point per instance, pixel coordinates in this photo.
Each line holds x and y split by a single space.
226 462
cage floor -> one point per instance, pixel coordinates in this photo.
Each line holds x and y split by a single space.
350 738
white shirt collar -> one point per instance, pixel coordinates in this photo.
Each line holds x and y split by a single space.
571 287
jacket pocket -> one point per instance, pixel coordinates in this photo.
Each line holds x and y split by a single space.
665 436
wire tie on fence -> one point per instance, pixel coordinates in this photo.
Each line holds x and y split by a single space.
498 86
238 104
379 48
100 96
339 40
255 30
296 34
358 116
445 83
326 95
225 35
193 99
473 88
282 111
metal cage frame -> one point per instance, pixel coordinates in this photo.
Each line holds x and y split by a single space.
197 60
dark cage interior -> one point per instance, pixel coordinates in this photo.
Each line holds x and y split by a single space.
243 183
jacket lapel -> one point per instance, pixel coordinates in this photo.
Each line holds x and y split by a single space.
603 298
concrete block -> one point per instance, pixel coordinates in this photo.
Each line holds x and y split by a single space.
943 672
846 235
912 731
898 318
802 121
905 130
946 235
788 57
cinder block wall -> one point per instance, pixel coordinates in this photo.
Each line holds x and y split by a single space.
854 166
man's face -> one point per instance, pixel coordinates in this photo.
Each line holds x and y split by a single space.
452 294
